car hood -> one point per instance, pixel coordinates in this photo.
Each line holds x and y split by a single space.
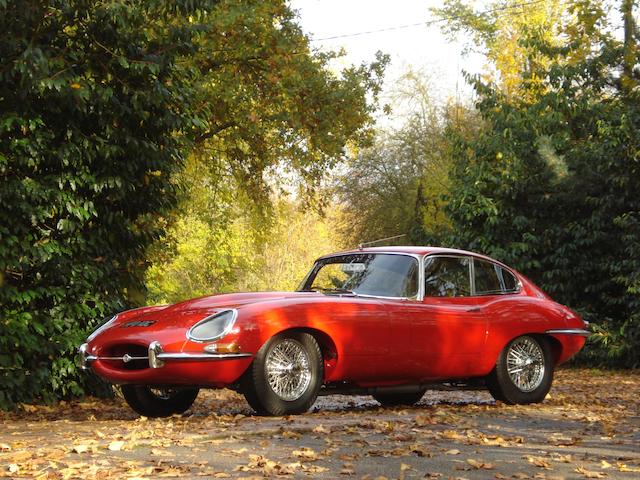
188 312
234 300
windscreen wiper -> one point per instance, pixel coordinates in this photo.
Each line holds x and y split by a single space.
334 291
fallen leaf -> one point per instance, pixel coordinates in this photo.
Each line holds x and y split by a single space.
80 448
479 465
538 462
116 445
305 454
590 473
321 429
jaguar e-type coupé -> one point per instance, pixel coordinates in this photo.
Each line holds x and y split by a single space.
386 321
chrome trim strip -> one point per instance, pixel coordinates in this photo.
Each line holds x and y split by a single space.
202 356
224 333
102 327
569 331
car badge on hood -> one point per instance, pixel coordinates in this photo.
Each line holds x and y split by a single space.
139 323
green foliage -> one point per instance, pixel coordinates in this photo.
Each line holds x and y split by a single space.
99 104
92 101
500 31
550 183
273 106
218 241
276 118
395 186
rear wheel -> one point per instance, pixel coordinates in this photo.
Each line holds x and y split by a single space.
285 375
523 372
158 402
398 399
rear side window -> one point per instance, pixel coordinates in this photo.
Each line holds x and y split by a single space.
509 281
487 278
447 277
492 279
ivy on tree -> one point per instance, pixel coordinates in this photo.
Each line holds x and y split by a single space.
99 105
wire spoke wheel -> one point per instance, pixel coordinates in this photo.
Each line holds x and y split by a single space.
158 402
163 393
525 364
288 369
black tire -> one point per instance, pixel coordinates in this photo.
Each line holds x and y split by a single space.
535 378
398 399
266 396
150 402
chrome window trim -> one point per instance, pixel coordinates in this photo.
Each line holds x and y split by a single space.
472 271
419 258
208 318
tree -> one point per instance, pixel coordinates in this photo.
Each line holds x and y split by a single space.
93 103
272 104
396 185
501 31
276 117
99 105
549 185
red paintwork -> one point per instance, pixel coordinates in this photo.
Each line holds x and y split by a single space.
365 341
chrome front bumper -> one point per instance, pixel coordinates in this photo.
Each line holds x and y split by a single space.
569 331
157 357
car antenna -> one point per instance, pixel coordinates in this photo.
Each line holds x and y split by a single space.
373 242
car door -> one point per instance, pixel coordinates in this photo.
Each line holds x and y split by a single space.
448 327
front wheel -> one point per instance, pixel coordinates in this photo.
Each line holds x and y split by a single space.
523 372
157 402
399 399
285 375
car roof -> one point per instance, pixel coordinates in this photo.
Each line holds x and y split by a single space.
412 250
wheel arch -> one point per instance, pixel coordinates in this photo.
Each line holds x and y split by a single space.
554 343
327 346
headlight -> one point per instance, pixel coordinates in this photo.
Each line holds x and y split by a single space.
102 327
213 327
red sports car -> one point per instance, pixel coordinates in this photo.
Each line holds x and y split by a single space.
386 321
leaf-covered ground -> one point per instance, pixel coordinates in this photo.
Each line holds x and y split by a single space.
589 427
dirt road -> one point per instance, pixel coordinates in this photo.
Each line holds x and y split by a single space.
589 427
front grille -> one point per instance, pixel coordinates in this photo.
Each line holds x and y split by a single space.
132 350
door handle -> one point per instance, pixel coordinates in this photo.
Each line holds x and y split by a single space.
474 309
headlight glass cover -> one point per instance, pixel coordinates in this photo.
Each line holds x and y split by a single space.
213 327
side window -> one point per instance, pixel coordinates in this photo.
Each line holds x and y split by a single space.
508 280
487 278
447 277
